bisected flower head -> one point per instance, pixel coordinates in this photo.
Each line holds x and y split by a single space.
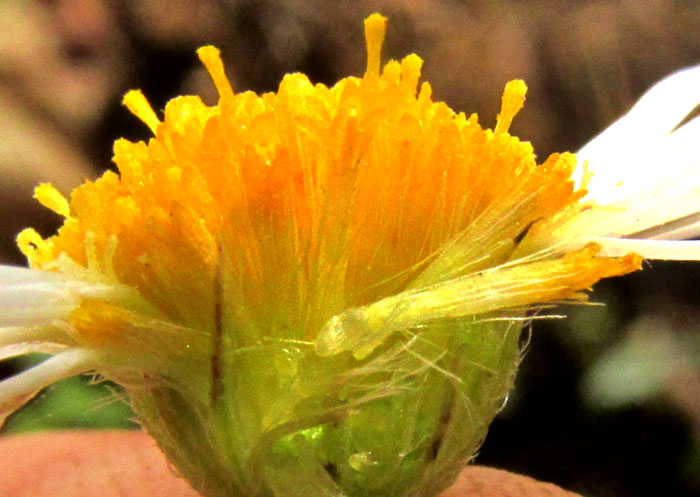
320 291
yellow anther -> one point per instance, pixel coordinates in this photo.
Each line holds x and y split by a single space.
375 29
513 100
211 58
139 106
49 197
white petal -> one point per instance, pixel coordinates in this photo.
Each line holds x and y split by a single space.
660 110
645 170
41 334
685 250
653 117
31 297
19 389
20 349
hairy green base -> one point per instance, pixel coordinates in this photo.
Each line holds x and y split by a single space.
287 423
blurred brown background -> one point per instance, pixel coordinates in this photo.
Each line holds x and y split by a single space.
609 401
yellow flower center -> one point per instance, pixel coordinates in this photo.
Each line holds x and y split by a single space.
280 211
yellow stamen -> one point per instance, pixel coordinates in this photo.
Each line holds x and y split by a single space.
211 58
35 248
51 198
139 106
512 102
375 29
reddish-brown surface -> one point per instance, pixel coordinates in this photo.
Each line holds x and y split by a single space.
128 464
86 464
480 481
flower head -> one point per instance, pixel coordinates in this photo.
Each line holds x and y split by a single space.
318 291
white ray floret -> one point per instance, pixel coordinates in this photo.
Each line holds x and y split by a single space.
19 389
34 308
643 173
